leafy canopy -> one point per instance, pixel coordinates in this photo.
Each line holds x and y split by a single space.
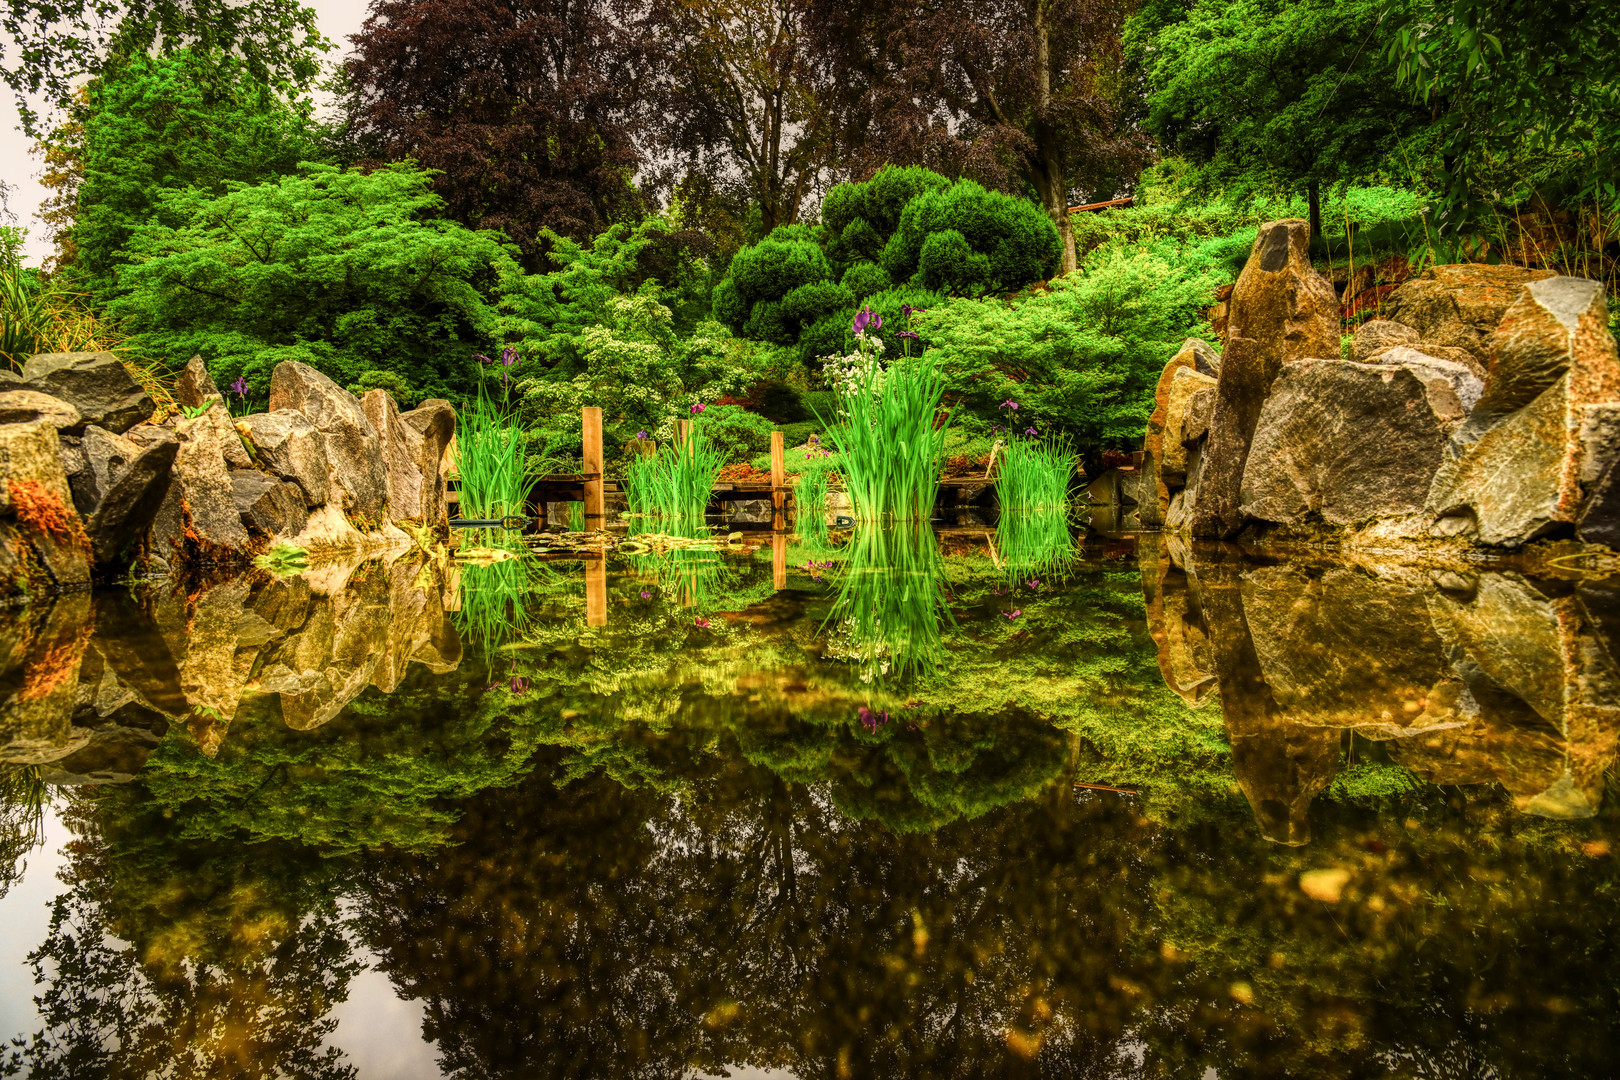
349 272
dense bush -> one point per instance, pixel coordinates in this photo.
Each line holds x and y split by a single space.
860 217
966 240
1082 359
342 270
737 433
155 125
779 286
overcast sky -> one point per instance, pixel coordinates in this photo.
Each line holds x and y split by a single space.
21 169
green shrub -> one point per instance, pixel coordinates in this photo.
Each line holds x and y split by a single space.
864 278
736 433
860 217
1014 240
1081 360
777 402
823 403
798 434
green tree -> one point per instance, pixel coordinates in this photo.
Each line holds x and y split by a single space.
965 239
1278 94
350 272
160 124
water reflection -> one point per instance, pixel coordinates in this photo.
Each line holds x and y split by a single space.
1467 678
644 846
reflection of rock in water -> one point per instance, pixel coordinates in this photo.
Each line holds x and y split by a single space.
90 687
1494 679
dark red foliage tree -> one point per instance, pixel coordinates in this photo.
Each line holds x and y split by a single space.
528 107
1019 94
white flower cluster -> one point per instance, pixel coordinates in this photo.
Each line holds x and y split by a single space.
845 374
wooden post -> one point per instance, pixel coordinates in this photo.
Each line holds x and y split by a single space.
779 559
596 592
683 433
778 482
591 421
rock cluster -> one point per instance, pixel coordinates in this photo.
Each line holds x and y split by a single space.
94 680
91 482
1466 678
1483 407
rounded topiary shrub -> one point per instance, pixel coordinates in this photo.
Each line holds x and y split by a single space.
863 279
736 432
1006 243
860 217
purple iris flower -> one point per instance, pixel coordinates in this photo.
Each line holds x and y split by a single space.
641 434
481 358
1010 404
872 720
509 357
1033 583
239 387
866 319
645 595
698 408
520 685
700 621
905 309
906 334
1031 431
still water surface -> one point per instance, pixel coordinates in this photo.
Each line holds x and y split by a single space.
943 806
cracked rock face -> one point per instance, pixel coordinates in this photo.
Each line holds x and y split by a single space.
96 384
352 445
1514 470
1282 310
1347 442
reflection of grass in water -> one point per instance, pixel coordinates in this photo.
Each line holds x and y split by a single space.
22 819
1034 543
576 517
692 576
891 602
496 596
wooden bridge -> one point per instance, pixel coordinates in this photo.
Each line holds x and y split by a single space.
590 487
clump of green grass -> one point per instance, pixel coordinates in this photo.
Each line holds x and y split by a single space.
494 458
676 481
889 440
1034 476
284 560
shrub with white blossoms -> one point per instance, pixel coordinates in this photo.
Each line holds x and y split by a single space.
843 374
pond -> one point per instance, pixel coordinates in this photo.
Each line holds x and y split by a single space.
957 804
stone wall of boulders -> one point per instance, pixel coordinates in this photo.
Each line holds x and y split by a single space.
95 488
1482 410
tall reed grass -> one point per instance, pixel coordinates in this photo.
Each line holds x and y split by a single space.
1034 544
889 439
494 459
676 481
1034 476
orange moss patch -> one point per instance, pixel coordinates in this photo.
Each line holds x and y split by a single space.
38 508
51 668
742 470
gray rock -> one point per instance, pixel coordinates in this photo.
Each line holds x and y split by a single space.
200 490
1600 440
268 506
1349 442
1376 335
26 406
435 421
129 502
97 384
1600 519
1459 305
1513 471
105 457
195 388
1281 310
1195 422
9 377
402 449
352 444
291 447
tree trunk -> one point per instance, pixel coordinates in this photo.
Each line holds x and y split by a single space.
1313 192
1049 180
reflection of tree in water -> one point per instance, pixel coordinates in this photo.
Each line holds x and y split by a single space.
600 931
172 959
22 820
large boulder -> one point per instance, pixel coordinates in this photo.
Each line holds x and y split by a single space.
1345 442
402 449
268 506
199 514
26 406
1600 519
1196 357
95 383
38 504
130 502
1281 310
352 445
194 387
1514 469
1182 419
102 458
292 448
1459 305
435 421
